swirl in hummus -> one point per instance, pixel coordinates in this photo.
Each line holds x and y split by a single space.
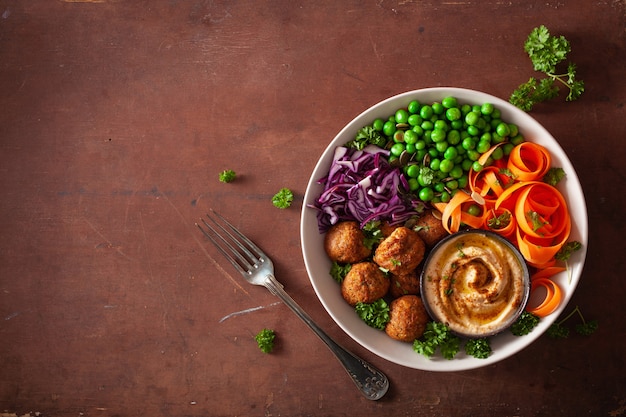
476 283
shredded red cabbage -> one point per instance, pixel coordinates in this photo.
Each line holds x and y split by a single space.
361 185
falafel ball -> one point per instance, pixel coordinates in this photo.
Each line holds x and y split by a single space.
407 318
404 284
344 242
364 283
430 229
401 252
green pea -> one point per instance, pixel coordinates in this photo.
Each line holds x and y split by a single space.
476 166
473 155
468 143
445 197
452 184
415 120
498 153
402 116
426 111
453 113
413 184
473 130
378 125
449 102
420 145
503 130
434 164
517 140
397 149
474 210
507 148
437 108
472 118
483 146
450 153
438 135
446 166
441 146
410 137
413 107
426 194
457 124
463 181
410 148
418 130
453 137
439 187
467 164
441 124
465 109
486 108
389 128
398 136
413 170
456 172
496 138
427 125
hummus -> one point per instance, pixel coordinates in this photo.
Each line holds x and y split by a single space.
475 282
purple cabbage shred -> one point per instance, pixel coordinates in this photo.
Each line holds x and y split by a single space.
361 185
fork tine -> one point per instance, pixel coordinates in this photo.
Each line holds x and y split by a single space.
251 245
219 246
230 246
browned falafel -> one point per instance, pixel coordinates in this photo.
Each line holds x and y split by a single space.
364 283
404 284
344 242
401 252
407 318
429 228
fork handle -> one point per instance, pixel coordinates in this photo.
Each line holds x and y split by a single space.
372 383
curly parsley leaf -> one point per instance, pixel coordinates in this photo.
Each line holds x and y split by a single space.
500 222
566 250
374 314
554 176
339 271
546 52
227 175
524 324
265 340
367 136
373 234
437 336
283 198
478 348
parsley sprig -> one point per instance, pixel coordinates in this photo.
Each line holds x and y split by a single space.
374 314
546 52
265 340
437 336
558 330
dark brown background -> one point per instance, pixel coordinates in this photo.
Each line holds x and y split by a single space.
116 118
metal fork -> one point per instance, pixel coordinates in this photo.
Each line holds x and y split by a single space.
257 268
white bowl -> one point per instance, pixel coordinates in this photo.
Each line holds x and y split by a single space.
376 341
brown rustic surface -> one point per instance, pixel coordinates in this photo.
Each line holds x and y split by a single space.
116 118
